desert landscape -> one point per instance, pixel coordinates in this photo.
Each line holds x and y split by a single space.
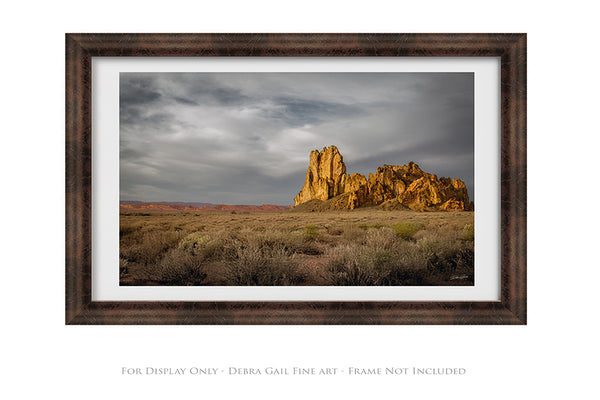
401 226
296 178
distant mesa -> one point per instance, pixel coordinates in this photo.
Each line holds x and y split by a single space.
328 187
181 206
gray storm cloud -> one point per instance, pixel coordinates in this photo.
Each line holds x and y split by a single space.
245 138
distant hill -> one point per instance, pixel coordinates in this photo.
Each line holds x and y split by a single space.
183 206
169 203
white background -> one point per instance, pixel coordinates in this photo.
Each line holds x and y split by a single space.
555 356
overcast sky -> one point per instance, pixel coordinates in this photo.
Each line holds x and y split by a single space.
245 138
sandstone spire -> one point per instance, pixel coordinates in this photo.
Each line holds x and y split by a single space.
326 170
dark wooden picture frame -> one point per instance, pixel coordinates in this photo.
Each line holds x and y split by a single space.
510 309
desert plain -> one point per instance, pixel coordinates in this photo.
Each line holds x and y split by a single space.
362 247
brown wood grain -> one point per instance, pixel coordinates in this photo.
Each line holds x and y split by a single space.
511 48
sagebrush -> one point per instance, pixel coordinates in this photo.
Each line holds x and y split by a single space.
344 248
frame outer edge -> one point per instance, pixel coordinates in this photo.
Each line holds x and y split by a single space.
296 313
80 48
514 178
78 178
294 44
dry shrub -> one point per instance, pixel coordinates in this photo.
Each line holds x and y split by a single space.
311 232
276 238
468 232
194 242
386 259
409 268
291 242
262 266
405 230
123 266
311 248
444 255
383 238
202 244
367 266
150 247
352 233
348 266
334 230
128 229
180 268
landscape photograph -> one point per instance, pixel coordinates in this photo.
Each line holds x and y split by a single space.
296 179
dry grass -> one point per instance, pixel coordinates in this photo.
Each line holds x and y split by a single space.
361 247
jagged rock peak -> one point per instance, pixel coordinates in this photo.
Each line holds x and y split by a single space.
326 169
328 186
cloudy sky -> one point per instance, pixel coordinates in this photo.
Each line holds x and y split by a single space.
245 138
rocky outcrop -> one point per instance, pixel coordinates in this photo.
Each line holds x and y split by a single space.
326 176
328 187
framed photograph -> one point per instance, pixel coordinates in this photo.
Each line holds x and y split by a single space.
296 179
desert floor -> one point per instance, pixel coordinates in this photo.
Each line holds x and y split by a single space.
361 247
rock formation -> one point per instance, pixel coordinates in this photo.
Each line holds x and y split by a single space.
328 187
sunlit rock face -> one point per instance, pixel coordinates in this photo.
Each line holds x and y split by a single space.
328 187
326 176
